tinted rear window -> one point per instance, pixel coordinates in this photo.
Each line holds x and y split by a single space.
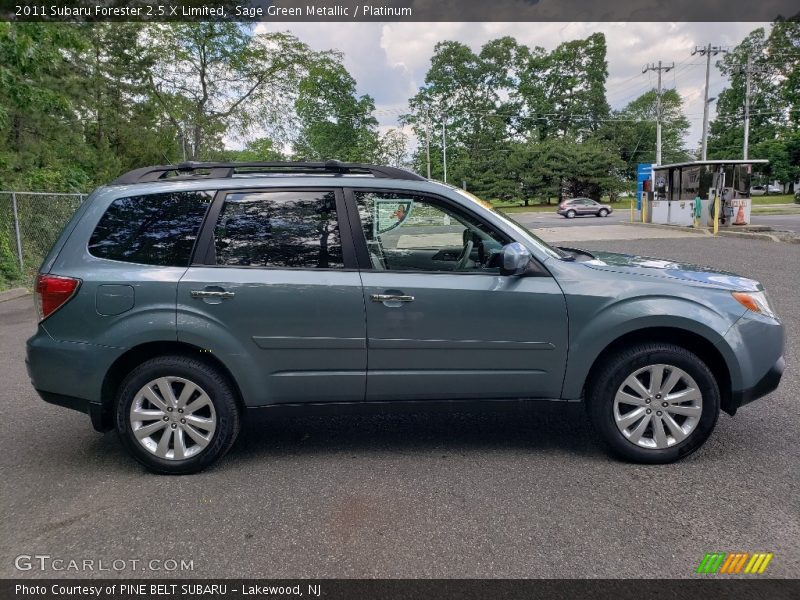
157 229
285 230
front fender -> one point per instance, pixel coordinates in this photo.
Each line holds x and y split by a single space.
597 330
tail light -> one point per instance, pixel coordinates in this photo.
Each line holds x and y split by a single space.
52 292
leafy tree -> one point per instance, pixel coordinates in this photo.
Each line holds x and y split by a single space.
465 99
217 78
783 154
563 93
394 148
631 132
258 150
334 121
40 134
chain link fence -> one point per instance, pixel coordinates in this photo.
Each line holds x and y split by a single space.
30 222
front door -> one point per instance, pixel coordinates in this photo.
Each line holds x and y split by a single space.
269 292
442 322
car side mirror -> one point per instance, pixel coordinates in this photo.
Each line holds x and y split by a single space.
516 259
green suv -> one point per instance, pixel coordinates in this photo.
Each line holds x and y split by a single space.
180 298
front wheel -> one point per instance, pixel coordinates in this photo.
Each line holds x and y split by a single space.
603 213
176 415
654 403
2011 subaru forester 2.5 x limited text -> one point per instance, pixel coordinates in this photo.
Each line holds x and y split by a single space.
180 298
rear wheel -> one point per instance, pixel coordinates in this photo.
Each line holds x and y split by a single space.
570 214
654 403
176 415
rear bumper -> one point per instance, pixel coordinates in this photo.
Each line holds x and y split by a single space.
70 374
101 419
768 383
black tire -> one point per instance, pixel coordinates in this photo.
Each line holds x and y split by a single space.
219 391
603 213
609 376
570 214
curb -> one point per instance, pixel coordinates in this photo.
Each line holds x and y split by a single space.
701 231
13 294
750 235
774 236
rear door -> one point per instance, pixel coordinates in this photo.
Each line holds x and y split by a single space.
274 286
442 322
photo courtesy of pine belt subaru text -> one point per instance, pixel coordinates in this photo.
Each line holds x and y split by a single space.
178 299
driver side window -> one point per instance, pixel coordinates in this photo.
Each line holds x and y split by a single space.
408 232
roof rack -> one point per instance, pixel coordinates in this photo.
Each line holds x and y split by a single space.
215 170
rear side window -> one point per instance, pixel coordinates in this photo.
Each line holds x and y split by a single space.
290 230
157 229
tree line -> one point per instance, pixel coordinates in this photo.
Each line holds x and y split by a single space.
82 103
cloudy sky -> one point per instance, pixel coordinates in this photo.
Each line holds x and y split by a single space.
389 60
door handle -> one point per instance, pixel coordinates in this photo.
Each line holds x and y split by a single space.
390 298
208 294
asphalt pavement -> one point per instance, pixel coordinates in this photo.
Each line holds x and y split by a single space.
465 495
788 222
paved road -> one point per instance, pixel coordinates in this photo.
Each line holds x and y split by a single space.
789 222
781 222
551 219
530 495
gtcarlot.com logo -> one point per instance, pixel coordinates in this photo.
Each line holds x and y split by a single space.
46 562
734 563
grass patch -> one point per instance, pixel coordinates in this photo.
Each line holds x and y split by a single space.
774 211
773 199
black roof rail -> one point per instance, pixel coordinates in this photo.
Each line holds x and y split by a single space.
215 170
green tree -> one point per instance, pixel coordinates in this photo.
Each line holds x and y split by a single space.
631 131
257 150
562 93
218 78
334 121
40 133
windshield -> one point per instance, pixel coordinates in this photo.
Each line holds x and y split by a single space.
518 227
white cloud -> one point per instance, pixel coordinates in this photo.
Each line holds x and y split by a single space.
389 60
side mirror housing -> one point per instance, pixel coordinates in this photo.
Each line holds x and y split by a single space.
516 259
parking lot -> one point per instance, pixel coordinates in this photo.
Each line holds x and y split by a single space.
529 494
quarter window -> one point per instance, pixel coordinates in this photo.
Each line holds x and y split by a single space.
156 229
280 230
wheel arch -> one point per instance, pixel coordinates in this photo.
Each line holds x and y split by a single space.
694 342
136 355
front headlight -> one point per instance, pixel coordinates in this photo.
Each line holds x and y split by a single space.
755 301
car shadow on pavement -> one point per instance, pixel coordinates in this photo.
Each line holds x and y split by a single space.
555 427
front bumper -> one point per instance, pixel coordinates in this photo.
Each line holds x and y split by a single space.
768 383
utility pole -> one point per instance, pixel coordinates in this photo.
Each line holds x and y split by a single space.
444 149
660 69
708 52
748 70
428 139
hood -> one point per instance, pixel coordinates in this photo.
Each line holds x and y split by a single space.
656 267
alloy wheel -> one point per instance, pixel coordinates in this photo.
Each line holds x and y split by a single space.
657 406
173 418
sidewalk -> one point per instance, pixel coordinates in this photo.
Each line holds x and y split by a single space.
625 231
